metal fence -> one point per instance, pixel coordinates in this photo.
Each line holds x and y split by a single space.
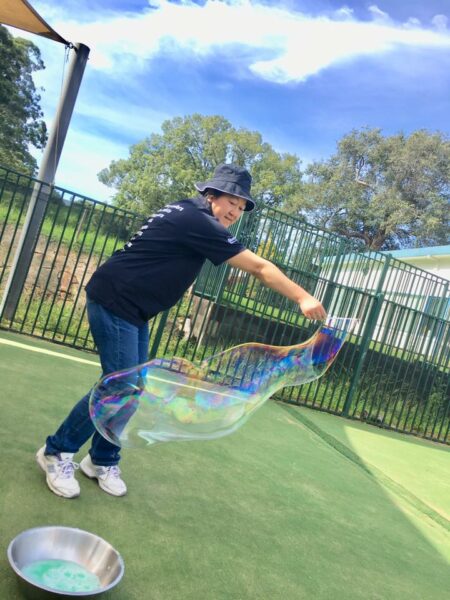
393 372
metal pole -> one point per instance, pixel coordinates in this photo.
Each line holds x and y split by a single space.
367 336
42 189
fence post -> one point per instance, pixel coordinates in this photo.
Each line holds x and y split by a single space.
366 339
384 272
445 300
368 334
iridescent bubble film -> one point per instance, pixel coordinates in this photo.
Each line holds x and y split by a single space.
174 399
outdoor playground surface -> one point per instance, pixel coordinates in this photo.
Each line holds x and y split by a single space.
295 505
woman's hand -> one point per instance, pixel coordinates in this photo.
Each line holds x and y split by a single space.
312 308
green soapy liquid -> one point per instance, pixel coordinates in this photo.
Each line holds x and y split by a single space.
62 575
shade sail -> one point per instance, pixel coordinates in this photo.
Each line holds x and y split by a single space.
20 14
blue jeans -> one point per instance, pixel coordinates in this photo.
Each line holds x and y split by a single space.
121 345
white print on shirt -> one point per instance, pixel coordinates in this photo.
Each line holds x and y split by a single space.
160 215
231 240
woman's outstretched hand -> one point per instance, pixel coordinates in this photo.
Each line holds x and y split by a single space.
312 308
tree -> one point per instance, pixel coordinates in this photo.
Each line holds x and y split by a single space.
21 121
164 167
386 192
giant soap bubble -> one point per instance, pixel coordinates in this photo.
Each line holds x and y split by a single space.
174 399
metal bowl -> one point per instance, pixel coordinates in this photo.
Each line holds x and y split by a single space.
64 543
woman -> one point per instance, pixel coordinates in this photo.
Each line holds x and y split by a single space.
149 275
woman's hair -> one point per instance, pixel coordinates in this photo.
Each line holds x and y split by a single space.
211 192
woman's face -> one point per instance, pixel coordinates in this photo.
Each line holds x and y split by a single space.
226 208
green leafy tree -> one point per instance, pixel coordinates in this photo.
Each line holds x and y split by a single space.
164 167
21 123
386 192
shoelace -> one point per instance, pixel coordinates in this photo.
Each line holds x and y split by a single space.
114 471
111 471
67 468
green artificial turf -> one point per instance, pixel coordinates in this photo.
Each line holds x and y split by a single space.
287 508
422 467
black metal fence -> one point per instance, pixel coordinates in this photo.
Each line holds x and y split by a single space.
393 372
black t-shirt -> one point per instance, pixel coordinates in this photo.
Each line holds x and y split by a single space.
160 262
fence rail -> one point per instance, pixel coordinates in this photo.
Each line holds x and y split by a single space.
392 373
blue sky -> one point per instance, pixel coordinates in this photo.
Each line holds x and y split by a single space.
302 73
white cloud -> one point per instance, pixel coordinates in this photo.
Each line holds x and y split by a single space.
413 22
86 153
298 45
378 14
440 22
345 12
105 109
83 157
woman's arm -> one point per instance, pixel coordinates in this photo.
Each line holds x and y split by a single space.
272 277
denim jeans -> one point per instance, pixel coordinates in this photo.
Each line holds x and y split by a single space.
120 345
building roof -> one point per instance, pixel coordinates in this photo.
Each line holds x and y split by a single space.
428 252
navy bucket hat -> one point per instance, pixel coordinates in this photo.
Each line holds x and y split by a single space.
230 179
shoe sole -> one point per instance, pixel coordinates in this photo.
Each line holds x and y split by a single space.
49 483
90 475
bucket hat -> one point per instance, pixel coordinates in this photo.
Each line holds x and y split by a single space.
230 179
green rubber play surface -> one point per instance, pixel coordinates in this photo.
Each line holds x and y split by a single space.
295 505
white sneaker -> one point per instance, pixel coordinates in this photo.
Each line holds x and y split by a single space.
60 473
108 477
